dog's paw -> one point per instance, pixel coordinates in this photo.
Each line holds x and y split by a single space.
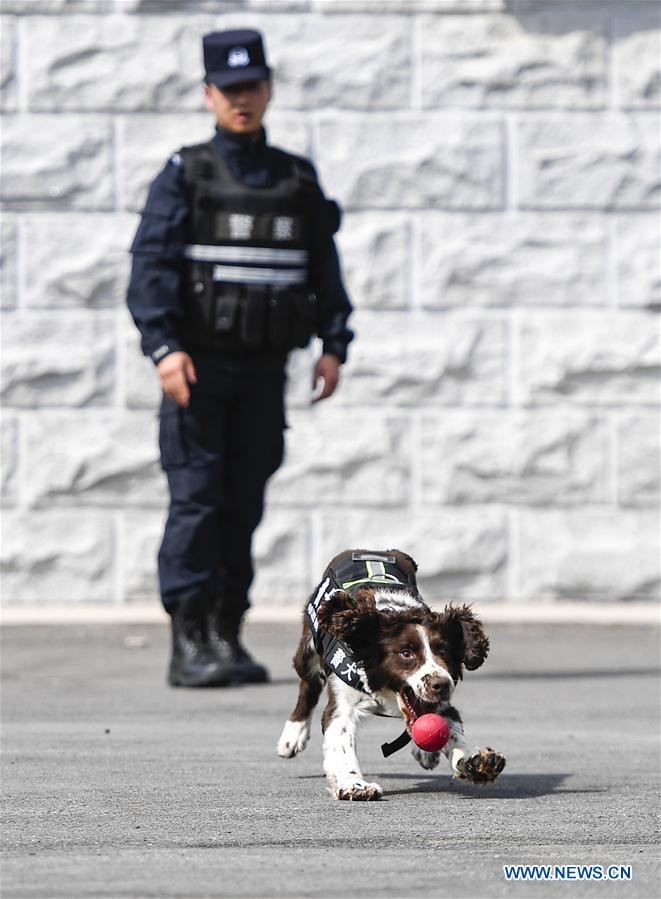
483 766
427 760
293 739
359 791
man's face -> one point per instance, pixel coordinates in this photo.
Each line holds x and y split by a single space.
240 107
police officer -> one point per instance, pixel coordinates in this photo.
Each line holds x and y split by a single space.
234 264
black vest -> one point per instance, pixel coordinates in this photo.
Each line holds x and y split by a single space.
357 569
246 263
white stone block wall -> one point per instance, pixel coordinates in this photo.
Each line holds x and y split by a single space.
498 164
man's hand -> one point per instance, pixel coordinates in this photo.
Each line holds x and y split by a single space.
176 372
327 370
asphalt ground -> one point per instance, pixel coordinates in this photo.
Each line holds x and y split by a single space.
115 785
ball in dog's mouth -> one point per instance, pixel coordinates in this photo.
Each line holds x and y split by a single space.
412 707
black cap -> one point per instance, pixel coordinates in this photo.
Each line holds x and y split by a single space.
234 56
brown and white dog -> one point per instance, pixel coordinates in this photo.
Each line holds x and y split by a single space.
369 636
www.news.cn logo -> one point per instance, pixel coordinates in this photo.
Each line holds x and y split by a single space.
567 872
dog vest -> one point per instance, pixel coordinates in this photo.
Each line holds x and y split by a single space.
356 571
246 264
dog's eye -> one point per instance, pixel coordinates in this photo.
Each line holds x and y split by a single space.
406 653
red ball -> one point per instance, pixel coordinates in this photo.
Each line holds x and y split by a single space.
430 732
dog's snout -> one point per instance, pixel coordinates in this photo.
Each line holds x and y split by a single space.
438 686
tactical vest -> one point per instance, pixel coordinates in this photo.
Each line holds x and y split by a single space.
246 264
359 569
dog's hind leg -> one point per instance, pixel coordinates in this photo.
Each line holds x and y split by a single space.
296 732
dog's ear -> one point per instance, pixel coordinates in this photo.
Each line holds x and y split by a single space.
466 634
353 618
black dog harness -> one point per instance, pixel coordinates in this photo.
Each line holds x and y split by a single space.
356 571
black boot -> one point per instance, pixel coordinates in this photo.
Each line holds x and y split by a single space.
194 663
224 640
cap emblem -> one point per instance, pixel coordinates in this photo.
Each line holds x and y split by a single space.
237 57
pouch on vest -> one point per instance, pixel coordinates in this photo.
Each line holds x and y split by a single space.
227 305
280 315
253 315
200 308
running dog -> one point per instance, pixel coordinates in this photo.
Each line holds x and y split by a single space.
381 650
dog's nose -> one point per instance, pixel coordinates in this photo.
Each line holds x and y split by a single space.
438 686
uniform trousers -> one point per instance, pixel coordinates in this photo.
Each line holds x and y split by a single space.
218 454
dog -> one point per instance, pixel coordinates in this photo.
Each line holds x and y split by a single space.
369 636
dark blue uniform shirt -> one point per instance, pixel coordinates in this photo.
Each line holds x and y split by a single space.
154 295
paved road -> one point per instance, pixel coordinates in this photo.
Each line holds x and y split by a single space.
115 785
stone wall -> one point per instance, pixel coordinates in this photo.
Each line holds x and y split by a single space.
498 166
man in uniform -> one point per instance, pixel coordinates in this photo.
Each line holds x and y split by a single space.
234 264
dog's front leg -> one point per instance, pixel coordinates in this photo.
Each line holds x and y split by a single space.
339 724
479 766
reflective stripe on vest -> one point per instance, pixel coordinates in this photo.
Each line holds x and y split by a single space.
273 255
236 274
230 269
